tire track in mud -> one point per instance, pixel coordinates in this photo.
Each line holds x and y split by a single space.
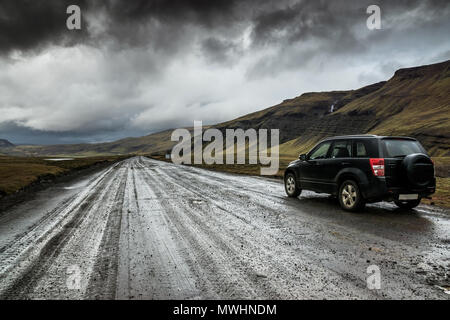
191 240
245 250
102 284
148 252
251 237
25 282
226 277
261 236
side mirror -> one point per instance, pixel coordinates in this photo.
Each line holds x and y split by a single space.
302 157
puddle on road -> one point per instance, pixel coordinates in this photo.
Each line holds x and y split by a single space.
77 185
196 201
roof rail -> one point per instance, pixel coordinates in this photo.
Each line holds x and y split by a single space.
355 136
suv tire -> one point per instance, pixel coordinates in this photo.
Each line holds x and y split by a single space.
350 197
407 204
291 186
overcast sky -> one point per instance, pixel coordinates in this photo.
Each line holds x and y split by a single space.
137 67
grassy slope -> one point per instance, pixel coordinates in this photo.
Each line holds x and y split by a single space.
19 172
442 195
415 102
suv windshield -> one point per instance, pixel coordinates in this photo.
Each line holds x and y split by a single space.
401 148
321 151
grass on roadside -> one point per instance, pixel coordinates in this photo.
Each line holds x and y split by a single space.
442 196
19 172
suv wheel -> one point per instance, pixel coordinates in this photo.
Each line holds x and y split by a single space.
407 204
291 186
350 197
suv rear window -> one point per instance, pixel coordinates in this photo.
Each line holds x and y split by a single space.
365 148
400 148
341 149
360 150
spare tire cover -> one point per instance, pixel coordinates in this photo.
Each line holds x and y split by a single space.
418 169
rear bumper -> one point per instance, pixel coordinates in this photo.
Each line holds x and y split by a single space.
378 190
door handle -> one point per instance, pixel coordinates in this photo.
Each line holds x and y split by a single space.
345 163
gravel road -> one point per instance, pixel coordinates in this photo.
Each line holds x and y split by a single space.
143 229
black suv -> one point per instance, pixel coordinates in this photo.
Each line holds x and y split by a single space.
365 168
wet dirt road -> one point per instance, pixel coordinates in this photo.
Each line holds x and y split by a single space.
143 229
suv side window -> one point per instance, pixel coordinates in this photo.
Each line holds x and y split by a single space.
341 149
321 151
360 149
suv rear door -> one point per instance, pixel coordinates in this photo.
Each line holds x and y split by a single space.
339 158
363 150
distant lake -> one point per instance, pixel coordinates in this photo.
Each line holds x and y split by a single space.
59 159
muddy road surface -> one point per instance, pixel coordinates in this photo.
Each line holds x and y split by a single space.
143 229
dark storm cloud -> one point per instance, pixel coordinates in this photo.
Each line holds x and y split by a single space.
220 51
333 23
314 31
297 21
322 18
205 12
33 24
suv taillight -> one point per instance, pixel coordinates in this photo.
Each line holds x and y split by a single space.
377 166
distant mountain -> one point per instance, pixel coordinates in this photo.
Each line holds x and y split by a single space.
414 102
152 143
5 143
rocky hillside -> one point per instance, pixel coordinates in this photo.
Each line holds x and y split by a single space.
414 102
